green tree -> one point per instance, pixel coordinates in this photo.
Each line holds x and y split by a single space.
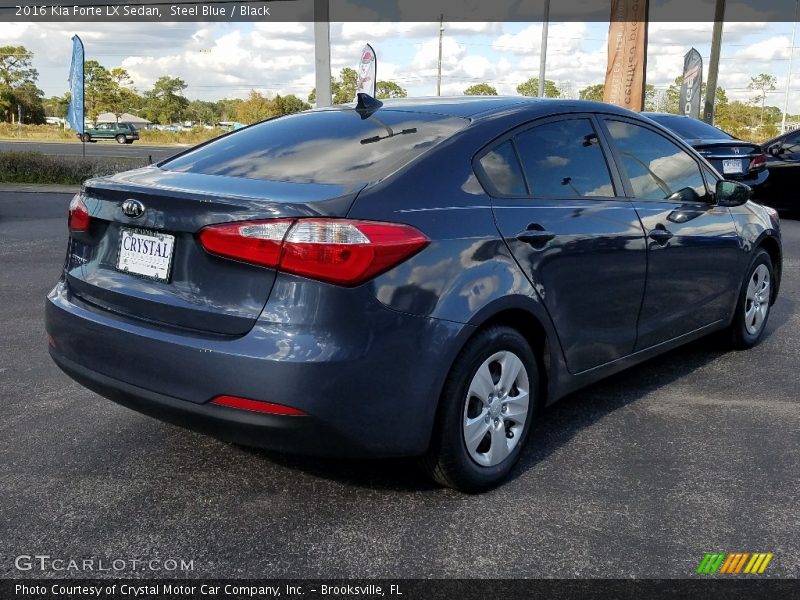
287 105
203 112
390 89
165 103
97 88
763 84
28 97
343 88
120 97
531 88
56 106
256 108
650 97
16 69
480 89
592 92
227 108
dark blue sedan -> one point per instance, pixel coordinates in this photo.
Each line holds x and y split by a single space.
412 279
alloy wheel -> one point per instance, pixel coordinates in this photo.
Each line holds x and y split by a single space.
757 300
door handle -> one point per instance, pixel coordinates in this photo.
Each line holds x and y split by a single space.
536 236
660 234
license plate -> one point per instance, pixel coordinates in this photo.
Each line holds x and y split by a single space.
733 165
145 253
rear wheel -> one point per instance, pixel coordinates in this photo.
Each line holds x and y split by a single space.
485 411
86 137
121 139
755 300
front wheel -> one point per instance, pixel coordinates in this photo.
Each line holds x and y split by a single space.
121 139
86 137
755 300
485 411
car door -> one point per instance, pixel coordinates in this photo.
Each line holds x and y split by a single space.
693 248
581 246
783 161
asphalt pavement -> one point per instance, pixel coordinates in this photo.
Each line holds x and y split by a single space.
105 148
637 476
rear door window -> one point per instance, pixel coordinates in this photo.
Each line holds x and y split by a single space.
332 146
564 159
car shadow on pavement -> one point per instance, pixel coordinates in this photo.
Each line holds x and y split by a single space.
556 425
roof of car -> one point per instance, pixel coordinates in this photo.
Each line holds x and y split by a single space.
482 106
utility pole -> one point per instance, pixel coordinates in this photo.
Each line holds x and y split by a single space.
713 66
439 77
789 73
322 52
543 54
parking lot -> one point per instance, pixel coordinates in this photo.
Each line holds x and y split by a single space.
637 476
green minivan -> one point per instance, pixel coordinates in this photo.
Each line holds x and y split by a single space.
124 133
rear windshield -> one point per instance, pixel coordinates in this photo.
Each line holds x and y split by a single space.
691 129
335 146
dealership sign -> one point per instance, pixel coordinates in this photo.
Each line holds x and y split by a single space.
367 70
692 82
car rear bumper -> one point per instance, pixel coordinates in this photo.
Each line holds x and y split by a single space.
296 434
368 385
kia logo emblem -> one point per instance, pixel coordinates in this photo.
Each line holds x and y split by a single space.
133 208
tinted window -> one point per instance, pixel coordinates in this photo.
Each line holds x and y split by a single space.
791 143
691 129
657 168
502 168
564 158
335 146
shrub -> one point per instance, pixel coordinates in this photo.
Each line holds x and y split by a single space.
35 167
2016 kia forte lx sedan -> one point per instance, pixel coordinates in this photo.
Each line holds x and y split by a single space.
411 279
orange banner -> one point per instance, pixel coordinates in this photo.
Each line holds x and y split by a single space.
627 54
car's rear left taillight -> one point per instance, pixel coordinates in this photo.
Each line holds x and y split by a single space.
340 251
759 161
78 219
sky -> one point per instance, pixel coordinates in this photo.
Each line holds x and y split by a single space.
226 60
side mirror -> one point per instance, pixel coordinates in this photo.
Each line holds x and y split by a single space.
775 149
732 193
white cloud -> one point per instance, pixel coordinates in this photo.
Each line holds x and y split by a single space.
224 60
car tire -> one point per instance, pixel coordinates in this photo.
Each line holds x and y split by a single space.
86 137
484 406
121 139
755 301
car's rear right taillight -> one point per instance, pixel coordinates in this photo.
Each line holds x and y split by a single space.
78 219
340 251
759 161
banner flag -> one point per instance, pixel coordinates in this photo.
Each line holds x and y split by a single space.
627 54
367 71
75 116
692 83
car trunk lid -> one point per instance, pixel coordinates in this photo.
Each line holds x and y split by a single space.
201 292
732 158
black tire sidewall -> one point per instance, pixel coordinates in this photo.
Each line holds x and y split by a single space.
471 475
120 139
